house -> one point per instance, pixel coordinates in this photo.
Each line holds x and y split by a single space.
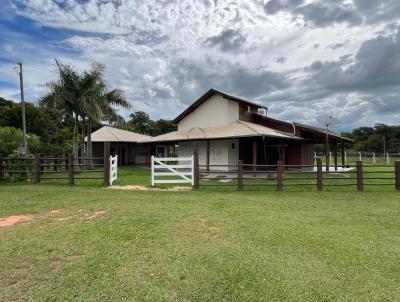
225 128
126 144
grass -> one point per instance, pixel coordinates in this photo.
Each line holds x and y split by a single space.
199 246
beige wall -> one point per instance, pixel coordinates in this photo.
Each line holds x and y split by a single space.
216 111
221 152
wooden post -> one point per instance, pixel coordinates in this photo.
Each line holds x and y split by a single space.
319 174
2 168
397 174
254 157
71 163
196 169
41 155
240 175
343 156
208 156
36 177
66 161
336 155
106 163
360 176
279 176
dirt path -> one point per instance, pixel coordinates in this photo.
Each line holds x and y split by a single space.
11 220
144 188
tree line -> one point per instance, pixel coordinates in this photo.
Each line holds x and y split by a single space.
76 105
380 138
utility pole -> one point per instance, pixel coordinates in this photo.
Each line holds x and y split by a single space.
21 85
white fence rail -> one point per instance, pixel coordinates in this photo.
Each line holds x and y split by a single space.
113 168
180 168
371 158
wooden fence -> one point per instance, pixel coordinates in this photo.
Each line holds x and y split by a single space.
280 176
40 167
64 167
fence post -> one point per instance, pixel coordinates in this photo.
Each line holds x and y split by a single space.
397 174
42 166
71 159
279 176
360 176
37 168
2 168
196 169
319 174
66 155
106 163
240 175
152 170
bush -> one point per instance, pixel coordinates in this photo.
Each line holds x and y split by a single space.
11 139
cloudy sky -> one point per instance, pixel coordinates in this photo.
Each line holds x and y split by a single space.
301 58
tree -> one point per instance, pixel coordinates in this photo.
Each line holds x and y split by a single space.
98 101
84 96
162 126
373 139
139 122
11 138
65 94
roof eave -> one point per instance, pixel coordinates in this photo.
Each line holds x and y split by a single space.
223 137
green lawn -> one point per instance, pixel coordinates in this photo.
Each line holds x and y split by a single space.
199 246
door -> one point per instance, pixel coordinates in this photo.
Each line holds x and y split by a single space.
161 151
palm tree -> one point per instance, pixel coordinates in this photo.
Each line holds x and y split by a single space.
86 96
65 95
99 102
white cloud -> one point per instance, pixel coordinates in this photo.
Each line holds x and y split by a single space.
163 54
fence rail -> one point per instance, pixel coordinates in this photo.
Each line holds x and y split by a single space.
351 157
39 167
280 176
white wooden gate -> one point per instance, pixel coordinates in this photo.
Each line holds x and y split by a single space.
162 167
113 168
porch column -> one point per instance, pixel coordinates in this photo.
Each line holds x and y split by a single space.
254 156
343 159
119 154
208 156
283 155
336 153
147 161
